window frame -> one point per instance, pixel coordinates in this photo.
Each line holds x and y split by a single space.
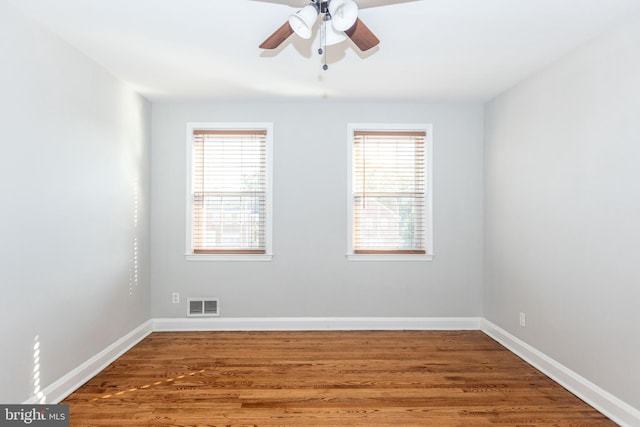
189 252
428 190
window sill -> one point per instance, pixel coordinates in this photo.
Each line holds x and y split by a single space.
229 257
389 257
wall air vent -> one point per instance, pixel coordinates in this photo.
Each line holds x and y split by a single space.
202 307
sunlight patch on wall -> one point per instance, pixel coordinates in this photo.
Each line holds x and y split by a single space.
37 388
134 262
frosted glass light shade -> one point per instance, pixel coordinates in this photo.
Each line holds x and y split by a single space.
343 14
302 22
332 36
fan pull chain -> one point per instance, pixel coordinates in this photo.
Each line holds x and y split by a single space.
323 43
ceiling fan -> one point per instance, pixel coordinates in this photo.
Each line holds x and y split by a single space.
339 21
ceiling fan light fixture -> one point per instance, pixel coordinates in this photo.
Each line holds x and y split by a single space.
302 21
345 23
343 14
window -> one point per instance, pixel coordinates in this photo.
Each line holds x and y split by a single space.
229 191
389 192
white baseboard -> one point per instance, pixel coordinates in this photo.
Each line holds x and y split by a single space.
617 410
70 382
316 323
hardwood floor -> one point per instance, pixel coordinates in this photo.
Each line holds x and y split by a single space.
355 378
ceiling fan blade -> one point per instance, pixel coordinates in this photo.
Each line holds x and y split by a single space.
278 37
362 36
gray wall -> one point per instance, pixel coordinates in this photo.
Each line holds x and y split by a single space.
562 211
74 183
309 275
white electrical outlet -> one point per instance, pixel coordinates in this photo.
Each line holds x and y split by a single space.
175 297
523 320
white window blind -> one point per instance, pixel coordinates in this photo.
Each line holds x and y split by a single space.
229 191
388 186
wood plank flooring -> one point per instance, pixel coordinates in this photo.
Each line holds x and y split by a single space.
332 378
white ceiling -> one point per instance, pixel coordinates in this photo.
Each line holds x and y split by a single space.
430 50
